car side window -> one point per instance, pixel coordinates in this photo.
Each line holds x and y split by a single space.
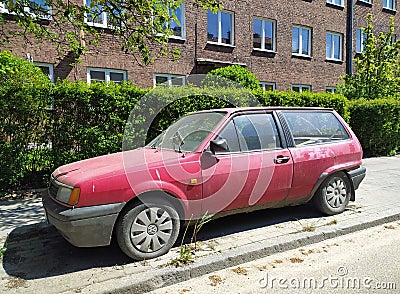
257 132
230 135
309 128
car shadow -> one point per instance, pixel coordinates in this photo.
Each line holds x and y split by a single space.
38 251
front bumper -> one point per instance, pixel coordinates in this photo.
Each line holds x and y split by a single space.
357 176
83 226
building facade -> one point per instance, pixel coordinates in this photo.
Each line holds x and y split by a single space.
291 44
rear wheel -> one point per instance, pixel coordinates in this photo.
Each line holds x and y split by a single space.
334 194
147 230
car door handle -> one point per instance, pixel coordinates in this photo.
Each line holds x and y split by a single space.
281 159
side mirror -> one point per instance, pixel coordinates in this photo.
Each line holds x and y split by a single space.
218 145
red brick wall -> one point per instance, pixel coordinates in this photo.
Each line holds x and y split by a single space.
281 67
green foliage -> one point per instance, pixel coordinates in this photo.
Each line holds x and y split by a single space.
24 99
377 125
235 73
89 120
335 101
377 69
138 25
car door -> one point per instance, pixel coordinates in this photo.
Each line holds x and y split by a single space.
255 169
319 140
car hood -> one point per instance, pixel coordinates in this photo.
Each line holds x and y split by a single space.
112 165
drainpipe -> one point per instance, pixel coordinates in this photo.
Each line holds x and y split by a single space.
349 33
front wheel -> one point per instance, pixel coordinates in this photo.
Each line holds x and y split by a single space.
147 230
334 194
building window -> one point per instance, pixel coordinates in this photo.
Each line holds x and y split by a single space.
169 80
330 90
268 86
220 27
178 27
263 34
335 2
301 41
333 46
366 1
105 75
389 4
360 39
36 8
47 69
301 88
97 17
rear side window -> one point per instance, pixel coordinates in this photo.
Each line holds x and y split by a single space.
309 128
251 133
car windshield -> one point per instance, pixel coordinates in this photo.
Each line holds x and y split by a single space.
187 133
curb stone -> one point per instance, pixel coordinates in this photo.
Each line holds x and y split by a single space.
208 264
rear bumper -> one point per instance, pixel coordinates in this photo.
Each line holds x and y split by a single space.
357 176
84 226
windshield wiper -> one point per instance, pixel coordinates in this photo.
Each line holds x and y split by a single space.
178 140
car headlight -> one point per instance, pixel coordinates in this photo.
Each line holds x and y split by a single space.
68 195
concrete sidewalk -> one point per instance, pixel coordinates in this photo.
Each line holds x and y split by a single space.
39 260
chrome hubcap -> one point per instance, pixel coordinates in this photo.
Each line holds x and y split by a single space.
336 192
151 229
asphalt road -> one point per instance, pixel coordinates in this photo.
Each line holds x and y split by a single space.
365 261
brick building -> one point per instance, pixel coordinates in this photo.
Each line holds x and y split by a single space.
291 44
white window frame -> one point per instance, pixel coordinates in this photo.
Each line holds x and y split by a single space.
301 28
50 66
302 87
386 4
263 20
169 79
3 9
220 30
360 38
366 1
107 72
330 89
263 84
332 2
183 25
104 16
331 57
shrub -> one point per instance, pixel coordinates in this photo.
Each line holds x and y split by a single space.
24 98
328 100
235 73
377 125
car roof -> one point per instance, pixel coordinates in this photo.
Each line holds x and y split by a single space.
249 109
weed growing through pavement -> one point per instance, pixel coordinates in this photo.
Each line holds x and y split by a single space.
186 251
332 222
4 248
310 227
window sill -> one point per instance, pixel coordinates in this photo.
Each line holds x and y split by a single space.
302 56
177 38
339 61
221 44
264 50
389 10
333 5
366 3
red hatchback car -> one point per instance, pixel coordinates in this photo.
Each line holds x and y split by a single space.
214 162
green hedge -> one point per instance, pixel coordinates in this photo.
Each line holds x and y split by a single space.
377 125
89 120
289 98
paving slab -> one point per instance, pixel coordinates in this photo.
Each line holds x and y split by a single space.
39 260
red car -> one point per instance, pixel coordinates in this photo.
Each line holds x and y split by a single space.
214 162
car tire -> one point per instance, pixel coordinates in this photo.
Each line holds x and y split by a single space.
147 230
334 194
